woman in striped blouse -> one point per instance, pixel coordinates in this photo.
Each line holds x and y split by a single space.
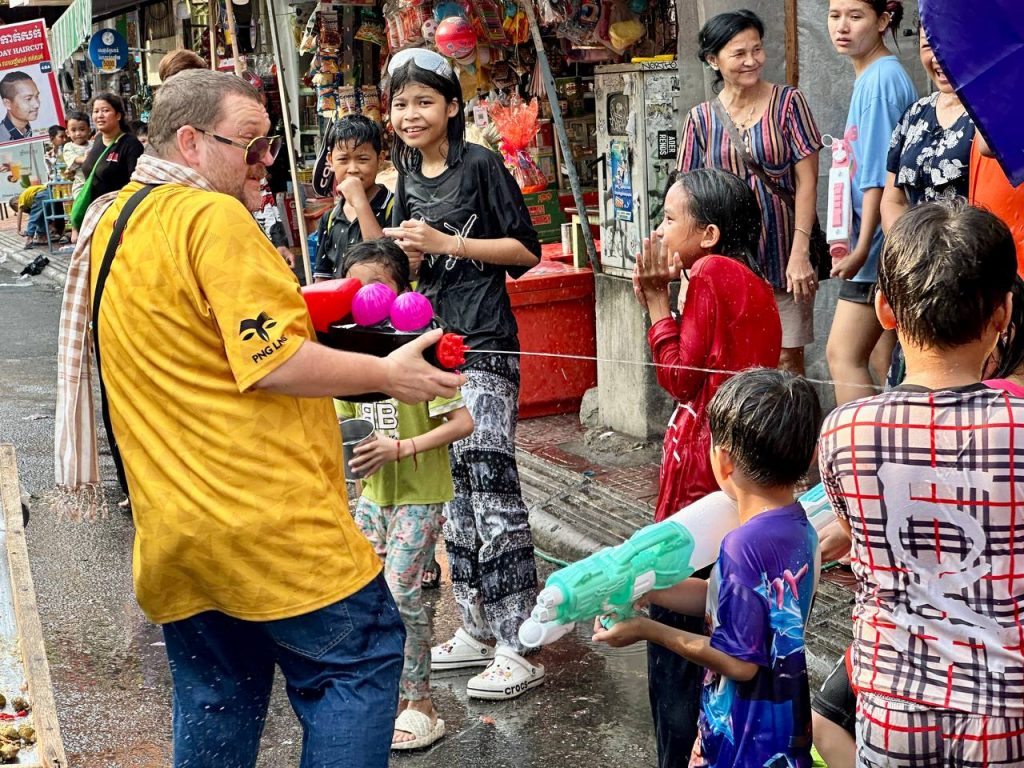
779 132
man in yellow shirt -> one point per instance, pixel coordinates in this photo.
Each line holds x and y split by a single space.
218 395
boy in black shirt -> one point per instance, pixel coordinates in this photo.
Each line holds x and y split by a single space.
364 207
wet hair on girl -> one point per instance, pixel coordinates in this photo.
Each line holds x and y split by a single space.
384 252
719 30
406 158
714 196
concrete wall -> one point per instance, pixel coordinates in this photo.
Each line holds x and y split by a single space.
629 398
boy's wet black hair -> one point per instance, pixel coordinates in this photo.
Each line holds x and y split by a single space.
1009 352
56 130
384 252
355 130
406 158
768 421
945 269
140 128
79 116
714 196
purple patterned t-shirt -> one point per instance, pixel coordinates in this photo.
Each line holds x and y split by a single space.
759 598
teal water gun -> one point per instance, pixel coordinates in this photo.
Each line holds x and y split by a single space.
658 556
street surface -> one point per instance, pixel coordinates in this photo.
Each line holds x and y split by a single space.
108 665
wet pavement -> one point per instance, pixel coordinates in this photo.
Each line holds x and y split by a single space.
109 671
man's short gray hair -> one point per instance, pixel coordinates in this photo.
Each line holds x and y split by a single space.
194 97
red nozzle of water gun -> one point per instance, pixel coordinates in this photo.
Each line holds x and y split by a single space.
330 301
451 351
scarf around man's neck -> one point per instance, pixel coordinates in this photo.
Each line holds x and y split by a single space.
76 458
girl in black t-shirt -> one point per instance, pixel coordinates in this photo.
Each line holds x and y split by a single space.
115 151
461 218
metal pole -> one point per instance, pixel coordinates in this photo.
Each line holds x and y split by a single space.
230 13
563 138
286 114
211 23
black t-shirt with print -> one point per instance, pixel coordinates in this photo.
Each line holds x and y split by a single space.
117 166
479 199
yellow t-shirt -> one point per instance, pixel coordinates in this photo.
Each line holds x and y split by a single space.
238 494
28 196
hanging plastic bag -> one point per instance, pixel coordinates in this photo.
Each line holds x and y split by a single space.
517 125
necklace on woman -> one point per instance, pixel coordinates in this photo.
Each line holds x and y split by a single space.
744 126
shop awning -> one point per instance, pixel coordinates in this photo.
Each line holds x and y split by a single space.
70 31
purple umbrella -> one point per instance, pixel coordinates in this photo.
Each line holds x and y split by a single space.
981 48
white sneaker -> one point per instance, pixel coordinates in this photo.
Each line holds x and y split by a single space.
460 652
508 676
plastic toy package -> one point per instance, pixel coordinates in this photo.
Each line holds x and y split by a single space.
517 124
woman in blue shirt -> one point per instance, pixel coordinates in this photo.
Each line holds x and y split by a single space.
882 92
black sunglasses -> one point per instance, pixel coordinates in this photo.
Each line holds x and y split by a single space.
254 150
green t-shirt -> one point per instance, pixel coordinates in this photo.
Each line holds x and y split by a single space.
428 479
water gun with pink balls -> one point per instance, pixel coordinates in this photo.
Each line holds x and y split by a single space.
372 320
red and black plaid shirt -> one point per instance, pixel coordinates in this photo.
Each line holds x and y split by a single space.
932 485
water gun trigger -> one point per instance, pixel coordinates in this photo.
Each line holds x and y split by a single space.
451 351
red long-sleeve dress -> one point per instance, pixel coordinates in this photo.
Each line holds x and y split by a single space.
729 323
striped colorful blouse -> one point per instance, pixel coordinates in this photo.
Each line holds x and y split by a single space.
785 135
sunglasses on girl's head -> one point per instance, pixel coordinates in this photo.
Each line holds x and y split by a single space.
422 58
255 149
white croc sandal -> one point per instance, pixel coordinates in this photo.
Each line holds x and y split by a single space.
419 726
510 675
460 652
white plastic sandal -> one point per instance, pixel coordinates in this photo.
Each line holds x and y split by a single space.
510 675
419 725
460 652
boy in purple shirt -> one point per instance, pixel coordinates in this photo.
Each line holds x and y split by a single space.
755 708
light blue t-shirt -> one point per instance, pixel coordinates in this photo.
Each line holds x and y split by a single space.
881 95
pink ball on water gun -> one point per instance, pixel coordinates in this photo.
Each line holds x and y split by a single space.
411 312
372 304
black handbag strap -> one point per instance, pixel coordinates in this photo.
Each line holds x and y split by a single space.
101 280
747 159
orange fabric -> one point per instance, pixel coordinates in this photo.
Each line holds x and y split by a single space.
989 188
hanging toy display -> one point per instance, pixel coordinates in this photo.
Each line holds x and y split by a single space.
517 124
456 39
490 15
429 29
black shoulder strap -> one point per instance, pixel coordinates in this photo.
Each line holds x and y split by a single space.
101 280
746 158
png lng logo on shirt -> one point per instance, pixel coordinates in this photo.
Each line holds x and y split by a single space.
257 327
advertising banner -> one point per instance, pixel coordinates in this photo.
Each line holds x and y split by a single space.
29 99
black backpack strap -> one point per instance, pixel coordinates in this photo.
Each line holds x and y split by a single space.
101 280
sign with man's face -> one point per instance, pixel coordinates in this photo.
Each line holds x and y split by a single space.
23 105
29 96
